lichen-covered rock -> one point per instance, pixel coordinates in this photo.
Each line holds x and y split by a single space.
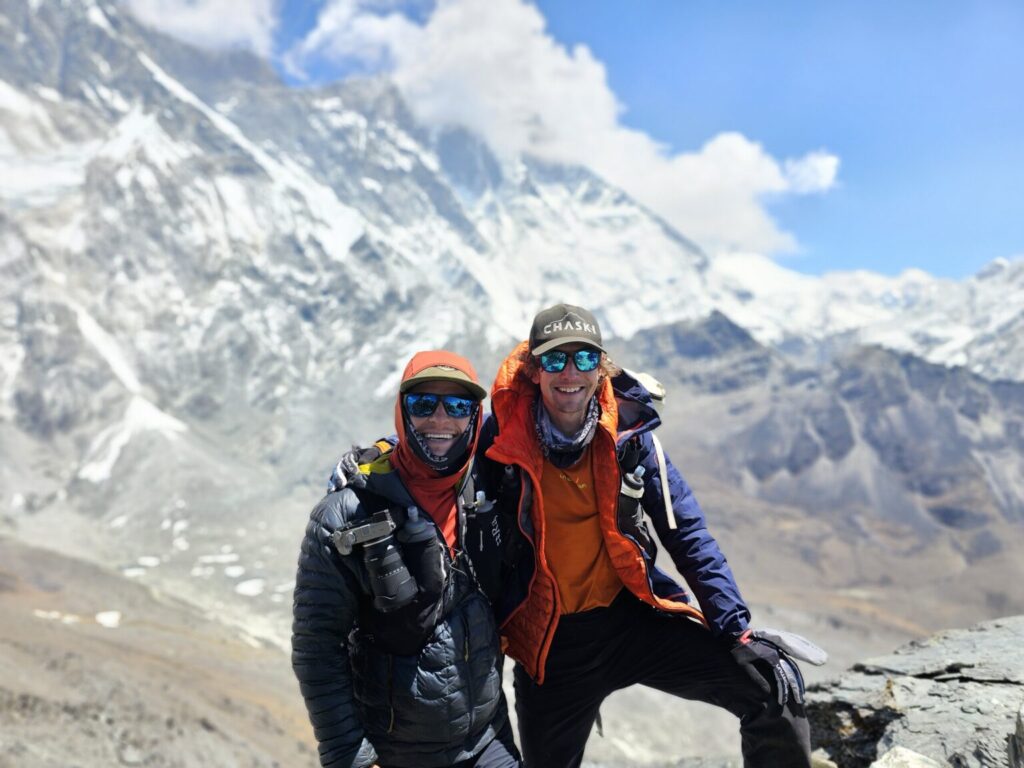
954 698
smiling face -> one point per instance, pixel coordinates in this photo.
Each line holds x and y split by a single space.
565 394
439 431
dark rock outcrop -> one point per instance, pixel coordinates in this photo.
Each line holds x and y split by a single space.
956 697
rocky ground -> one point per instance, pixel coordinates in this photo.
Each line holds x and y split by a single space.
956 698
99 671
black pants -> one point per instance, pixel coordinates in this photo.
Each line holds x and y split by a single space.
597 652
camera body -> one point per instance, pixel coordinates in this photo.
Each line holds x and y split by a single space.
392 585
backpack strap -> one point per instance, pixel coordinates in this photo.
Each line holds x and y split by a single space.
666 496
469 503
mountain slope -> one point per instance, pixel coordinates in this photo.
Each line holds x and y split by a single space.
909 475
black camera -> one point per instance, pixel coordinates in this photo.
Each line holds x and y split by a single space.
392 585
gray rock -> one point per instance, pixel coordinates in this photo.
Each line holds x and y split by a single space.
955 697
1016 747
900 757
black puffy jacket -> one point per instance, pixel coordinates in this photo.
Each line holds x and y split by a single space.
367 702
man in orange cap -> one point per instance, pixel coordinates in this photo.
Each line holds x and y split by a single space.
394 646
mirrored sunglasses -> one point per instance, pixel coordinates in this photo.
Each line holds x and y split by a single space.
585 360
423 404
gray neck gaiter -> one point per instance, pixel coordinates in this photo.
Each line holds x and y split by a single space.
560 449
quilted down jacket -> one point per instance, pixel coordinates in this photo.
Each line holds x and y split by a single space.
369 699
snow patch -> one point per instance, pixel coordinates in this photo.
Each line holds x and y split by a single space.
227 106
339 120
97 17
13 100
63 618
338 226
108 348
328 104
142 133
39 180
238 211
250 587
234 571
148 561
226 557
141 416
48 93
109 619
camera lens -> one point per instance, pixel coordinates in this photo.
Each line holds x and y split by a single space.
392 585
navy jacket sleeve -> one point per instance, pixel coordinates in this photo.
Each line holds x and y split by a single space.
324 609
693 549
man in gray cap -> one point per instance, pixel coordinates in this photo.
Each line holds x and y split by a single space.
573 462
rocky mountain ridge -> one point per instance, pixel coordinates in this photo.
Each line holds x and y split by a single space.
908 475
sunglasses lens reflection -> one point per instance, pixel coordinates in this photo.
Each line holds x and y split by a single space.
423 404
585 360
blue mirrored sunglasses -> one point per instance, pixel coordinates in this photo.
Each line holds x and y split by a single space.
584 359
422 404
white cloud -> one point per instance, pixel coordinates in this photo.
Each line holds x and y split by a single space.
490 65
212 23
815 172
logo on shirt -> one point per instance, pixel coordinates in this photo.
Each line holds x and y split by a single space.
569 479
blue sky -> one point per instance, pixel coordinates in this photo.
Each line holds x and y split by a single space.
831 135
922 101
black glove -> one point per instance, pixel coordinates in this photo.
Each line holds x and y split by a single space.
346 471
768 654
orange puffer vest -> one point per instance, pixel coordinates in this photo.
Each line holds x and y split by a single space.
530 627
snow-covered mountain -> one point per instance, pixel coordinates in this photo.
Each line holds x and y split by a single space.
209 283
210 280
273 249
977 323
203 262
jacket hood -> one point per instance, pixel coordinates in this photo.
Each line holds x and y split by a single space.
432 481
439 365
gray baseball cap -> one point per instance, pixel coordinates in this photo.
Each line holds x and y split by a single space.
564 324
